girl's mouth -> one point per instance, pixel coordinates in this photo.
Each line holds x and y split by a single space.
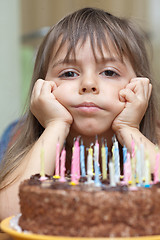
88 107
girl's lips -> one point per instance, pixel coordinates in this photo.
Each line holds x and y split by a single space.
88 107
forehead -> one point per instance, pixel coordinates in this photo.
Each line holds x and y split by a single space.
99 49
82 51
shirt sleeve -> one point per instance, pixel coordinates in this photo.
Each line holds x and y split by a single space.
5 138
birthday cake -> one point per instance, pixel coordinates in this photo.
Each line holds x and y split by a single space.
93 200
54 208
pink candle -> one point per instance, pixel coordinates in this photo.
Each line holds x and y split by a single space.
75 165
78 160
72 163
57 159
127 170
156 169
63 160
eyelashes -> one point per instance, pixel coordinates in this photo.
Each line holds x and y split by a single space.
69 74
110 73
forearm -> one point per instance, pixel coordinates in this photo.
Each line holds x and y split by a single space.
31 164
48 141
128 134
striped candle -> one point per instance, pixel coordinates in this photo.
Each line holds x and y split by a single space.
82 159
104 166
117 161
96 164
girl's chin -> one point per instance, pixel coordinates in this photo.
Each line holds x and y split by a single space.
89 131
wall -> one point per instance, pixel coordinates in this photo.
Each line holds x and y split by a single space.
9 62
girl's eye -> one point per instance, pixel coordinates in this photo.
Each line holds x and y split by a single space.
68 74
110 73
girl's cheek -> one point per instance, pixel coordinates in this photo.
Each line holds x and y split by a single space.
117 104
60 94
57 93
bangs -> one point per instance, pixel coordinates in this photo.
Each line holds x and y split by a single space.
103 29
77 28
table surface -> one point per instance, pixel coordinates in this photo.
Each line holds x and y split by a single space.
4 236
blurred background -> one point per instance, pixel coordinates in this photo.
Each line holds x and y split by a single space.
24 23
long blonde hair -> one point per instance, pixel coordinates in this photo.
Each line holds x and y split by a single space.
127 39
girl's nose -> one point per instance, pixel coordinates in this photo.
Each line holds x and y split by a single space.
89 85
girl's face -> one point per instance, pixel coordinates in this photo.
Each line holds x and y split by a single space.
89 88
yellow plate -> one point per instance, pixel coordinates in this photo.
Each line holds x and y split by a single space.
5 226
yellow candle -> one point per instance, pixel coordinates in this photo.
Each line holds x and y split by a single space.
90 152
113 156
147 170
90 165
42 172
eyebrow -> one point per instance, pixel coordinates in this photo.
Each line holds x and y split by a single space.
74 61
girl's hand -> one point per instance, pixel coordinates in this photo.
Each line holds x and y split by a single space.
45 107
135 96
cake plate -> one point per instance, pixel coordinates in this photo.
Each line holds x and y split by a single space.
5 226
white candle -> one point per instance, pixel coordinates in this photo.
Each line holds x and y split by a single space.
112 174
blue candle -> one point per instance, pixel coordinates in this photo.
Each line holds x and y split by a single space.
82 159
97 170
106 149
124 163
124 154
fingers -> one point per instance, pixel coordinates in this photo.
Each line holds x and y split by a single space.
126 95
48 87
42 87
150 91
137 88
141 86
37 88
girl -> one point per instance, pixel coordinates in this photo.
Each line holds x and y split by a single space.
91 77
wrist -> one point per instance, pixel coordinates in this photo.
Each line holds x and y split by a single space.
59 126
126 132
